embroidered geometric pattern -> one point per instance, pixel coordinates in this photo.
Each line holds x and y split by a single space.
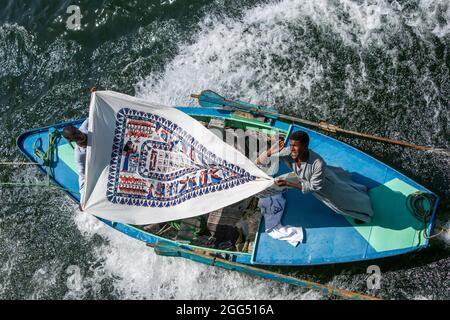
156 163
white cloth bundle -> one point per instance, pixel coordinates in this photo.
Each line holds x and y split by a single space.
272 208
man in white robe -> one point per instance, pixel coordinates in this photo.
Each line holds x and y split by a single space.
80 137
331 185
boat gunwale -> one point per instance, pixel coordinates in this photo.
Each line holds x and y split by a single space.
227 115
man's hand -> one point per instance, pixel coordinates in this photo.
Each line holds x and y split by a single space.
285 183
93 89
277 147
282 183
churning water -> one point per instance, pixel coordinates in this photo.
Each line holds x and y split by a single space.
373 66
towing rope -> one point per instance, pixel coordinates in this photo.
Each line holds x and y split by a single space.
47 184
16 163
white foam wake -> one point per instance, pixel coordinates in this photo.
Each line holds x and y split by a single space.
137 272
241 57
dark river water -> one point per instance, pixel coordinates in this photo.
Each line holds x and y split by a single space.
378 66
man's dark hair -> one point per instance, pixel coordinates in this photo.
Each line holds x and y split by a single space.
300 136
69 132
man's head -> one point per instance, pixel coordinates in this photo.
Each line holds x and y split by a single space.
73 134
299 142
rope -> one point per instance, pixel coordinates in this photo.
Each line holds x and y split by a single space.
440 151
47 160
17 163
164 229
421 204
439 233
24 184
47 157
185 226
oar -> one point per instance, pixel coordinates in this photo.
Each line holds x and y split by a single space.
209 99
209 258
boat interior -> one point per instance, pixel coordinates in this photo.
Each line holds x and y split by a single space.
234 227
328 237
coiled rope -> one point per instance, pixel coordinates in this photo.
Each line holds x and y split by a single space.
421 204
47 159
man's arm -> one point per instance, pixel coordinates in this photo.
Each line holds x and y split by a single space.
277 147
285 183
315 182
80 162
84 126
311 185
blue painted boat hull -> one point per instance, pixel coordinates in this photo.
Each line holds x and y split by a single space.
330 238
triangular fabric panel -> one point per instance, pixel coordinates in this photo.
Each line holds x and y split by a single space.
148 163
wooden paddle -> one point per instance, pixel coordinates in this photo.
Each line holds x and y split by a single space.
209 98
210 258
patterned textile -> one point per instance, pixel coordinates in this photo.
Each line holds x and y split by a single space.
156 163
147 163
